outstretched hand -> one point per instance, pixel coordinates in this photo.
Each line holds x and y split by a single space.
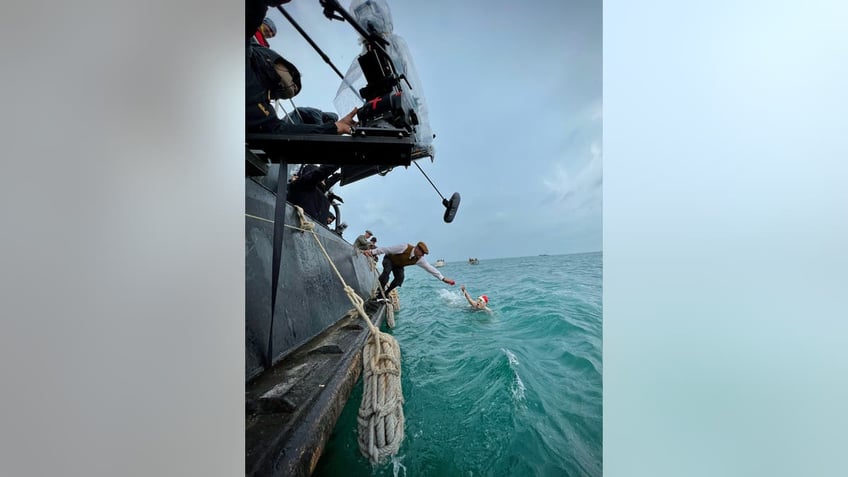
449 281
345 125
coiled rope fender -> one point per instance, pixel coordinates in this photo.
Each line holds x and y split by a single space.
392 305
393 295
390 310
380 418
390 316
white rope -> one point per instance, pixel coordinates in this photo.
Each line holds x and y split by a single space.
395 299
258 218
390 316
380 415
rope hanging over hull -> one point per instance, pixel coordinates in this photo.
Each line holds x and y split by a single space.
380 417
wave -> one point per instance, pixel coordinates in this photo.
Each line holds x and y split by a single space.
517 385
452 298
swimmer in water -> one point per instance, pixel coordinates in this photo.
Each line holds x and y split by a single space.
478 304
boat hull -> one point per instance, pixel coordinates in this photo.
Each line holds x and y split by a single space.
302 360
310 297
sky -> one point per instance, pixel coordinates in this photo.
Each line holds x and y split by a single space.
514 91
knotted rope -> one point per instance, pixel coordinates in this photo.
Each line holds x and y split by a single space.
380 418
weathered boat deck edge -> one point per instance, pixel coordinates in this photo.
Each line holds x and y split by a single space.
291 410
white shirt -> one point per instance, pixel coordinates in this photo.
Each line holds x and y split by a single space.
398 249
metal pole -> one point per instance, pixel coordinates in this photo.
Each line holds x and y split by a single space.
317 48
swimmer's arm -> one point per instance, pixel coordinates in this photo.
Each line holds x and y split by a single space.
468 297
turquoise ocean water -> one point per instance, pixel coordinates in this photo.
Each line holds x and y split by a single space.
515 392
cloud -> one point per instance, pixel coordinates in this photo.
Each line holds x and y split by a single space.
597 113
579 190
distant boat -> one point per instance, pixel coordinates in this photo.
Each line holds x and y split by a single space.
440 263
473 261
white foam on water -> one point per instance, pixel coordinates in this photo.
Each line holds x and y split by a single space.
517 384
397 465
452 298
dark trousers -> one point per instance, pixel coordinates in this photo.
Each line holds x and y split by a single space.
396 270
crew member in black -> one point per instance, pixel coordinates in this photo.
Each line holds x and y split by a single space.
307 190
262 78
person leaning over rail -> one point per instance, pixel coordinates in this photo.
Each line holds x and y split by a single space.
269 76
400 256
361 242
478 304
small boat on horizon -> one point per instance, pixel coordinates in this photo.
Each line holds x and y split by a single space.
473 261
439 263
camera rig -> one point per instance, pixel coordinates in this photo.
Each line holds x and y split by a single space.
388 118
388 105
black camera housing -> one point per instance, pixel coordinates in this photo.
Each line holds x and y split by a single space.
385 101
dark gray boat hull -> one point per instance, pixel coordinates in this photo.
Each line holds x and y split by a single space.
310 297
